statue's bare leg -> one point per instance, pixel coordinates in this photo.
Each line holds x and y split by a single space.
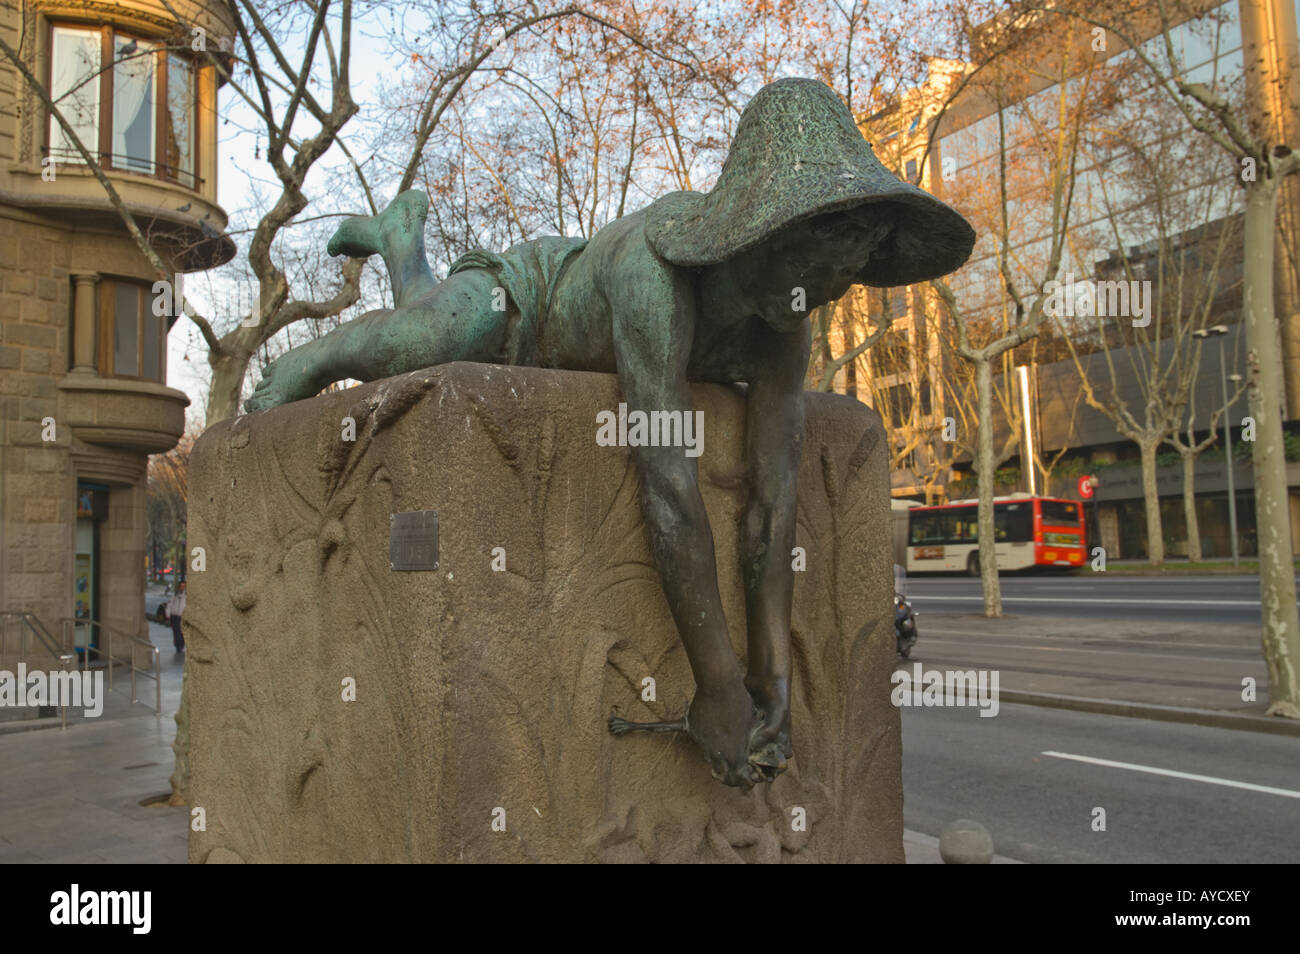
396 234
652 342
433 323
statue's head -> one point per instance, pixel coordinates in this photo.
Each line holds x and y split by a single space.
800 180
811 262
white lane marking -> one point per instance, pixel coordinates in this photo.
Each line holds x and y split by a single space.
916 598
1152 770
1171 657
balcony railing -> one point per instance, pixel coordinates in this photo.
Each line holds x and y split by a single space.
114 162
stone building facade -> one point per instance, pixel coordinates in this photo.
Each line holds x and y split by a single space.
83 356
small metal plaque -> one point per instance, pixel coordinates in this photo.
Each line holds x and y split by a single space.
413 540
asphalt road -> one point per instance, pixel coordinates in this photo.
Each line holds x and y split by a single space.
1039 807
1224 599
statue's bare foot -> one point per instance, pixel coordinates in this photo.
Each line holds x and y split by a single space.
721 723
286 379
364 235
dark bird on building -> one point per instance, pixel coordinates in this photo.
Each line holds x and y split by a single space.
128 49
184 208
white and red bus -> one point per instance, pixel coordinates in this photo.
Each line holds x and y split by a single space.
1031 531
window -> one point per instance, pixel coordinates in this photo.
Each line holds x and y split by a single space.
1013 522
137 115
946 526
133 104
1059 512
131 336
896 404
898 302
74 60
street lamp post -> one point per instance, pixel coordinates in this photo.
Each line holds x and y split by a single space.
1217 331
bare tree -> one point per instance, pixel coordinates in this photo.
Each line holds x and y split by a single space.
1171 231
1045 169
278 96
1189 449
1252 131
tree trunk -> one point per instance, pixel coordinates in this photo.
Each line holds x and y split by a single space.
985 478
228 373
1189 507
1281 629
1151 500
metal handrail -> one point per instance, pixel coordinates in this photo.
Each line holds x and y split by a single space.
154 673
120 162
31 623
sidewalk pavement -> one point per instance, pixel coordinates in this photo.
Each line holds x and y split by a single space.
74 795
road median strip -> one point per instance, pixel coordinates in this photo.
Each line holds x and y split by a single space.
1145 710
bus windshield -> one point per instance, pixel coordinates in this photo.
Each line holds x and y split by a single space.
1060 512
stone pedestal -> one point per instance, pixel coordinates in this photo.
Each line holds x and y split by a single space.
478 729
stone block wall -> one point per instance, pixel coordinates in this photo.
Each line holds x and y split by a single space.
38 477
39 488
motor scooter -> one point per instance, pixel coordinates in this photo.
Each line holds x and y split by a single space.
904 615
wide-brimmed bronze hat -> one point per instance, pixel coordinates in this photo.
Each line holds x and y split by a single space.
798 154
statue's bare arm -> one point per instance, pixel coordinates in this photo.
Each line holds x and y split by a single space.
653 327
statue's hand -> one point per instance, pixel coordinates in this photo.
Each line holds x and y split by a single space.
720 722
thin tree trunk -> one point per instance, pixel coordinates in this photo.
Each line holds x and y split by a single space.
1281 629
1151 499
228 373
1189 508
988 542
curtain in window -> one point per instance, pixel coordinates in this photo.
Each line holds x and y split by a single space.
180 129
133 104
75 91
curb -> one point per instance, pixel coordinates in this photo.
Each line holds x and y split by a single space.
1143 710
922 849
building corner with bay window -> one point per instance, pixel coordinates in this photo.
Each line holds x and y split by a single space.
83 349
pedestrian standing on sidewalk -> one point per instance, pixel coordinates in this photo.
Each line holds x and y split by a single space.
175 609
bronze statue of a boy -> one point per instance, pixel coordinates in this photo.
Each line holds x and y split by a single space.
712 287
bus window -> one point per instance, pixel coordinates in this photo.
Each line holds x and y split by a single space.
923 527
967 528
1059 512
933 527
1013 522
